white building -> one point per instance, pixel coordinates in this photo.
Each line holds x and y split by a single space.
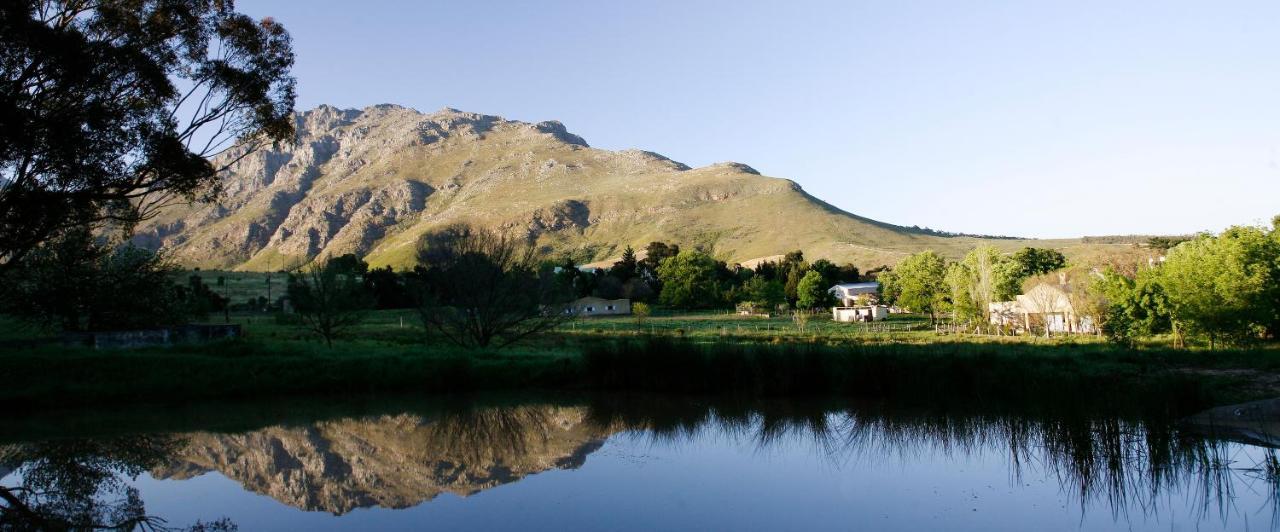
598 306
864 313
1045 305
847 293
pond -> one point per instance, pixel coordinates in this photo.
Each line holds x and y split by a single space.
628 463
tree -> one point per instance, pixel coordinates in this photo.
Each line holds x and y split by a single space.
327 299
1037 261
626 267
976 281
656 252
83 484
792 286
76 283
640 310
762 293
918 283
832 274
387 288
1131 308
1223 287
110 109
812 292
480 288
200 299
689 281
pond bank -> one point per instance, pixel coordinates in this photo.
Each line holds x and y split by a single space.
1045 376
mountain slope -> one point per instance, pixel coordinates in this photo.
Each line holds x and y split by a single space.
372 181
391 461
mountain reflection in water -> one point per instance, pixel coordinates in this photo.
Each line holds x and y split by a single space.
1124 467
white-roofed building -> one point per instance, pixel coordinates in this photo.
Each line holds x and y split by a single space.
847 294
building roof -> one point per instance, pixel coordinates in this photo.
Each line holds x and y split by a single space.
857 288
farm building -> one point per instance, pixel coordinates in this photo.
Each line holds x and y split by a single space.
847 294
598 306
1045 305
863 313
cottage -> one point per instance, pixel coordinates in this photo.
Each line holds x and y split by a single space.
848 294
1045 305
863 313
598 306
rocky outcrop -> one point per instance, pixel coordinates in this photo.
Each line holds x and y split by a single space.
391 461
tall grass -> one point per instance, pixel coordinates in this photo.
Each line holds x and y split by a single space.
1039 376
991 373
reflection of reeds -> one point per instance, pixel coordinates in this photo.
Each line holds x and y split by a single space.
1122 464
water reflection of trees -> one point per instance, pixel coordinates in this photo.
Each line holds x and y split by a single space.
79 484
1124 464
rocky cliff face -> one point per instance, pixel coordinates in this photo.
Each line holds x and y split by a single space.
372 181
391 461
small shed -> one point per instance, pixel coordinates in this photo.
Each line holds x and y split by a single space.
864 314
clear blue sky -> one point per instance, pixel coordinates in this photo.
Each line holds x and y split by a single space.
1022 118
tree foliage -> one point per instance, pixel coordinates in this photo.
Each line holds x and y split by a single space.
918 283
762 293
77 283
1224 287
812 292
479 288
1030 262
982 277
689 280
110 109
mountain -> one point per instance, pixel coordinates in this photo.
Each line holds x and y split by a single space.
391 461
373 181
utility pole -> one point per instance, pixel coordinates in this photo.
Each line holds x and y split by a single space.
268 284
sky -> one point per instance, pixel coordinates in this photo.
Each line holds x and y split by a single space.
1039 119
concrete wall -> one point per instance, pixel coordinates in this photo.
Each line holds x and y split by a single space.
153 337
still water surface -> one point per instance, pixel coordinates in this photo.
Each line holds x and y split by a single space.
638 464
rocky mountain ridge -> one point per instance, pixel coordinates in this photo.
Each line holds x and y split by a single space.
372 181
390 461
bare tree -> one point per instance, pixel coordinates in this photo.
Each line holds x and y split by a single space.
328 302
479 287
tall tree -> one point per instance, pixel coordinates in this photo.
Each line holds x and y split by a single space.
812 292
1223 287
976 281
918 283
626 267
689 280
110 109
482 288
